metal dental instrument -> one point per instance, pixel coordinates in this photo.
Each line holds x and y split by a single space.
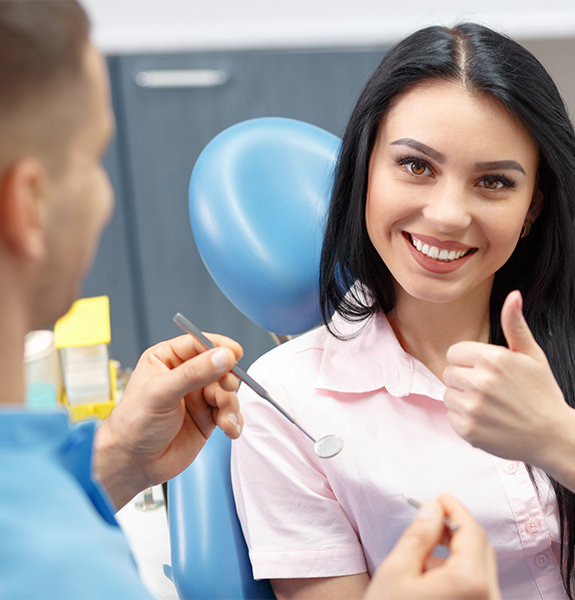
325 447
451 525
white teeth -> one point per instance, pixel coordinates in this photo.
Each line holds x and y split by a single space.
437 254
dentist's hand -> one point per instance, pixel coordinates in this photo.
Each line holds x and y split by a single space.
408 573
175 398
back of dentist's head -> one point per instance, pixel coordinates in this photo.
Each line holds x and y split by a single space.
42 81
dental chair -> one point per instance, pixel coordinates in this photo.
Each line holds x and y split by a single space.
258 198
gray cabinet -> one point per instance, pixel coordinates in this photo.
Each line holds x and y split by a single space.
161 132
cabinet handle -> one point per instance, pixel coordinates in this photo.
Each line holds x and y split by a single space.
182 78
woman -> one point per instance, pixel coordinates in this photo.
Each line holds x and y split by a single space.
455 186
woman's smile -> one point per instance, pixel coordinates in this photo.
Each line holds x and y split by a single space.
437 256
451 181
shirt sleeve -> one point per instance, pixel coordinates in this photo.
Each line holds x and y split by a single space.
293 524
54 542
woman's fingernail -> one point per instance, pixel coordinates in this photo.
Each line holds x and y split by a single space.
234 420
220 359
520 306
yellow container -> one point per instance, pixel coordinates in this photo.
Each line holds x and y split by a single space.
82 337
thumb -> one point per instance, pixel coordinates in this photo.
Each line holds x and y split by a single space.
515 329
413 548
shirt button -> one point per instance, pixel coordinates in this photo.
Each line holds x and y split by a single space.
541 560
532 526
511 467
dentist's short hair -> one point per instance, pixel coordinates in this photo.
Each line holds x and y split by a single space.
42 49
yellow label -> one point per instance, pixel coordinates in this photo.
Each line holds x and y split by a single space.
87 323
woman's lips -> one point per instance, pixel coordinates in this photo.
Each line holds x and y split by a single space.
437 256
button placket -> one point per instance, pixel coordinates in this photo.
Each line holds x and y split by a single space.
511 467
541 560
532 526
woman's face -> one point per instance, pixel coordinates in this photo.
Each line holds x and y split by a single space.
451 181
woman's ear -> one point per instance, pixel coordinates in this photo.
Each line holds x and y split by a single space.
22 208
536 205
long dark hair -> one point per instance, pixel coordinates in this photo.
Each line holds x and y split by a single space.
542 265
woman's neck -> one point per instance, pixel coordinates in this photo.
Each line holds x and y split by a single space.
426 330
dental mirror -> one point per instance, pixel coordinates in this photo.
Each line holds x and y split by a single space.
326 447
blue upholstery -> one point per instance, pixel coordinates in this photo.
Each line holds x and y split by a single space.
259 193
209 555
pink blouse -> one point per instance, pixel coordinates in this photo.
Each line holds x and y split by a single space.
304 516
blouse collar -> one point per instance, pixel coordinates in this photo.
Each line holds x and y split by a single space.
371 359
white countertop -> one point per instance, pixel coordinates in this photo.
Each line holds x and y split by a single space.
149 539
140 26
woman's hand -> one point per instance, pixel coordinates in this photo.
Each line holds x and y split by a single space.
176 396
470 570
507 401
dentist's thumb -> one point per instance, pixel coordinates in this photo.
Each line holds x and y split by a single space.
515 329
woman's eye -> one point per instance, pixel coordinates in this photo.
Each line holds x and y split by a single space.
416 168
491 184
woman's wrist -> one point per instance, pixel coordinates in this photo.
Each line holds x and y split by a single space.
557 454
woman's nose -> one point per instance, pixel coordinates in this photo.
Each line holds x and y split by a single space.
447 208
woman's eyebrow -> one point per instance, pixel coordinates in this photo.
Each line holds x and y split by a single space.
499 164
493 165
433 154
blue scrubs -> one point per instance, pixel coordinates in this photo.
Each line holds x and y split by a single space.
58 535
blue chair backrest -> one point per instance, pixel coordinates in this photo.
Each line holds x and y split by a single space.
259 195
209 555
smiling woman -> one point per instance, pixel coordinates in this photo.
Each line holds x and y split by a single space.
452 174
455 186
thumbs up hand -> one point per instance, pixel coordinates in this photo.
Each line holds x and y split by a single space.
506 400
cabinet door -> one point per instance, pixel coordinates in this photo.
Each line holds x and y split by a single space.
166 129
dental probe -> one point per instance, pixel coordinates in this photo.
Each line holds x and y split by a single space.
325 447
451 525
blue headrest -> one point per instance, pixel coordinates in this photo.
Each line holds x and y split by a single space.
259 195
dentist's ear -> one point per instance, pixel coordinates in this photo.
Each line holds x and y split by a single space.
536 206
22 208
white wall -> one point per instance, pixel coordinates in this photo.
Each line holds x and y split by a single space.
128 26
558 56
546 27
